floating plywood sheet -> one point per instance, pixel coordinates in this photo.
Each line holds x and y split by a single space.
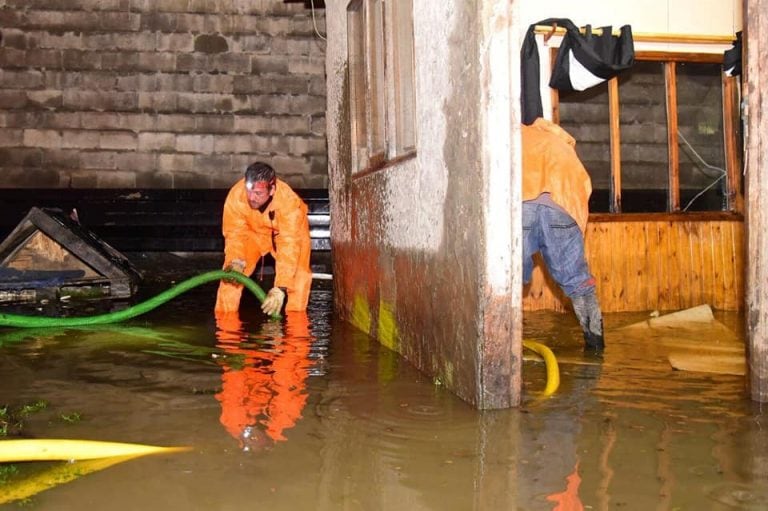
691 340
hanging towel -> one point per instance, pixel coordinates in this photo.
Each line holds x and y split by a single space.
732 58
583 61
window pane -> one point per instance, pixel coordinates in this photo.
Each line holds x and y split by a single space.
375 54
643 126
358 110
585 116
405 93
701 140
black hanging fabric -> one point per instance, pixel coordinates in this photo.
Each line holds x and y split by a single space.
732 58
583 61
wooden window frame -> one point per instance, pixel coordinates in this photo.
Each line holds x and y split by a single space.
404 82
730 102
382 86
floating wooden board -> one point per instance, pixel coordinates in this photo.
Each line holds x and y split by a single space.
719 363
691 340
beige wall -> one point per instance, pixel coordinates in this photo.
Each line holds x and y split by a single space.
159 94
691 17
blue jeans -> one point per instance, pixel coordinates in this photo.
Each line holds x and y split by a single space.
557 236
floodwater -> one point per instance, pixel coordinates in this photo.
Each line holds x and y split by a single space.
315 415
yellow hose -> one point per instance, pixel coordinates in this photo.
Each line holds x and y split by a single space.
553 372
55 449
60 473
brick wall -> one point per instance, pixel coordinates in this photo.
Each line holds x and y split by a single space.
159 93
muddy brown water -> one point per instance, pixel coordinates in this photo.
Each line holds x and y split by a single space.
279 416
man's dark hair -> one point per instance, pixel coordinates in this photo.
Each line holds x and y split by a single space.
260 171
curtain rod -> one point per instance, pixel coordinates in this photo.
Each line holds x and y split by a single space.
645 37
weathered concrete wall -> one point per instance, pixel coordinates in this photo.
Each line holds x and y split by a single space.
756 96
159 93
418 262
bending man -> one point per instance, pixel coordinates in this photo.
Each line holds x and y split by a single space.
263 215
556 190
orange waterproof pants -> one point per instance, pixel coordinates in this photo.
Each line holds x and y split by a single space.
229 294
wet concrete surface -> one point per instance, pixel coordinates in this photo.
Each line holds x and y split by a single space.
316 415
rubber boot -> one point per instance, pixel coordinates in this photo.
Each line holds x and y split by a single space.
590 318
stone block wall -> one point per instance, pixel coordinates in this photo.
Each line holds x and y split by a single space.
160 93
643 125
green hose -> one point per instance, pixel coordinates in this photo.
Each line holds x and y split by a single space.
15 320
21 321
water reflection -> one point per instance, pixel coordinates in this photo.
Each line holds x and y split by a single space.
263 383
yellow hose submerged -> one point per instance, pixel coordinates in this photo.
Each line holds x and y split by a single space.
60 473
553 372
88 455
58 449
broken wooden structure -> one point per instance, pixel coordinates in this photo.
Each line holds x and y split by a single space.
50 255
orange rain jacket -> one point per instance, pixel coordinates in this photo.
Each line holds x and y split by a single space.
282 230
550 164
264 388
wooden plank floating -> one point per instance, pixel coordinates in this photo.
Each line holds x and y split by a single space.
657 262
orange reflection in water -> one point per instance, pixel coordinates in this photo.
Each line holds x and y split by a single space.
568 500
263 389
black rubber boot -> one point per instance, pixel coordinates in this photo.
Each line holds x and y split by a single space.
590 318
593 342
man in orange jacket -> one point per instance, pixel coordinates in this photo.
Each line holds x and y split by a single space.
263 215
556 190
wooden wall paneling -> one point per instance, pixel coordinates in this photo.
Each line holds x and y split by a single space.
609 276
706 275
708 282
665 255
633 266
730 267
688 261
664 249
669 259
649 285
599 261
716 276
653 242
739 264
698 266
685 265
671 278
715 256
613 264
624 259
656 265
595 248
693 265
733 265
